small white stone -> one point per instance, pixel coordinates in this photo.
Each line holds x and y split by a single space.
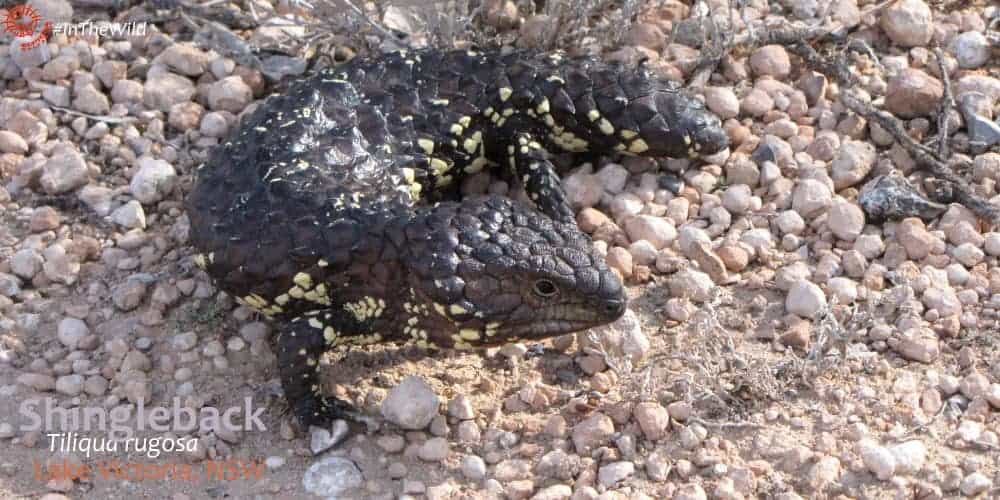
971 49
790 222
811 198
878 460
975 483
910 456
736 199
805 299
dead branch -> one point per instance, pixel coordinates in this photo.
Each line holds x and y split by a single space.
946 106
954 187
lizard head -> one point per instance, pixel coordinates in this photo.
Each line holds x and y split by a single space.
488 270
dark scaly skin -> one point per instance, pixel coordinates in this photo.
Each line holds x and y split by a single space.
333 207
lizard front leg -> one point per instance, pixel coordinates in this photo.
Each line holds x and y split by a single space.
301 344
530 164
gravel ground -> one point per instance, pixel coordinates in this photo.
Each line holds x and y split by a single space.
779 345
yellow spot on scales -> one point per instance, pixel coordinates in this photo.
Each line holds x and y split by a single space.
593 115
605 126
491 328
457 309
439 167
505 93
199 260
543 107
439 102
476 165
330 335
255 301
472 143
638 146
456 129
315 323
440 309
469 334
408 174
303 280
465 121
366 308
427 145
628 134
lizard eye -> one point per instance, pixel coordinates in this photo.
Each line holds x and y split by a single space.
545 288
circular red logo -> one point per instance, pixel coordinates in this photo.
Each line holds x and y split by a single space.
21 20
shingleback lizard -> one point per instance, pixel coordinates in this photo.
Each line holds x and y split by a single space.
334 209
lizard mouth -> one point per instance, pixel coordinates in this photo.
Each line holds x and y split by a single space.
560 320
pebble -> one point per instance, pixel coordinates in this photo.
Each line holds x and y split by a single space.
592 432
12 143
878 460
473 468
214 124
64 171
910 456
723 102
27 53
331 477
37 381
583 189
805 299
90 100
691 491
411 405
128 295
691 284
184 59
912 234
71 331
615 472
620 259
653 419
130 215
908 23
854 161
971 49
658 231
26 263
824 472
70 385
811 197
229 94
756 103
974 484
913 93
153 181
162 91
554 492
131 92
846 220
771 60
435 449
736 199
974 385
